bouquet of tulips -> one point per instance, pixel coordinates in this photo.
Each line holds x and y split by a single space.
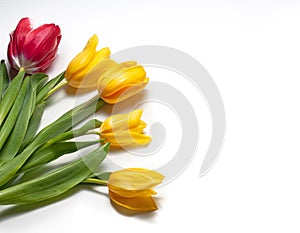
25 147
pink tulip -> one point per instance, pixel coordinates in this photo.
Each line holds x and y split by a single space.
33 49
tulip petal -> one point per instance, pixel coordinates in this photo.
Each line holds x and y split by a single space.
121 139
45 63
134 179
136 203
128 64
130 193
83 58
17 38
13 60
123 122
19 35
139 128
124 78
124 93
40 41
86 75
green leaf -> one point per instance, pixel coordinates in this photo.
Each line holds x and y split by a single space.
55 183
34 124
49 86
38 80
91 124
68 120
17 135
62 124
49 154
4 79
1 84
11 94
13 114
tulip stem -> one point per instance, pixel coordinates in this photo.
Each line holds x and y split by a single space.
95 181
57 87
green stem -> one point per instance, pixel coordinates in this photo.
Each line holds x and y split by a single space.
95 181
60 85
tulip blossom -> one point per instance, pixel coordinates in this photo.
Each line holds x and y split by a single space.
120 81
93 69
78 70
33 49
132 188
124 130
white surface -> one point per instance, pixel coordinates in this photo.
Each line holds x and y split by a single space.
251 49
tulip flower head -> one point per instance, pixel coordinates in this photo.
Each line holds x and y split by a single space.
120 81
132 188
93 69
79 71
33 49
124 130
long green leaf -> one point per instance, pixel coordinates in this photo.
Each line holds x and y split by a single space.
13 114
68 120
34 124
16 137
42 79
91 124
49 86
49 154
4 79
38 80
1 83
56 182
62 124
10 95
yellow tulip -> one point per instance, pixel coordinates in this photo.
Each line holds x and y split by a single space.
77 73
124 130
132 188
120 81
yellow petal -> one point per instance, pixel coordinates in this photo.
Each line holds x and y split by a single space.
126 78
89 77
83 58
134 118
97 58
134 179
128 64
117 122
130 193
125 93
139 127
136 203
125 138
123 122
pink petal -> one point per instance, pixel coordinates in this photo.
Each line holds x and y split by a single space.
40 42
10 55
19 35
45 63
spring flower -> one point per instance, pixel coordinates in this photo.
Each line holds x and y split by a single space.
124 130
77 73
93 69
120 81
33 49
132 188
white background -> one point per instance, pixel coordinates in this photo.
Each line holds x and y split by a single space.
251 49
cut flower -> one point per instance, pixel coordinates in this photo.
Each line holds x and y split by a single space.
132 188
78 70
33 49
124 130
